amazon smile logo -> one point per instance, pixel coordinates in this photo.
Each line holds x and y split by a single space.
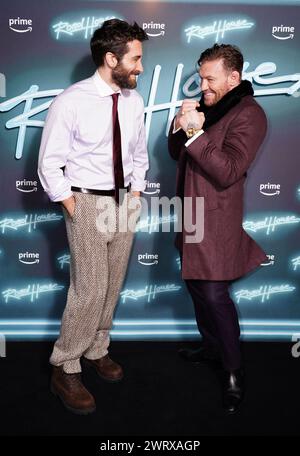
282 32
29 257
152 188
147 259
154 29
20 25
269 189
26 186
270 261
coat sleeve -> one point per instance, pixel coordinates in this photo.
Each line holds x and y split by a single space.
228 164
176 141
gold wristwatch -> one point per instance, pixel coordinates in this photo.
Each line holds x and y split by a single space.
192 131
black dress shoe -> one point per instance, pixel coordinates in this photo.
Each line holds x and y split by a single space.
233 390
200 355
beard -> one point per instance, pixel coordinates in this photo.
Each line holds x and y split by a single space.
216 96
209 101
123 78
213 99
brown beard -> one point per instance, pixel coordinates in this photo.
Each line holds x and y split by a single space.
121 78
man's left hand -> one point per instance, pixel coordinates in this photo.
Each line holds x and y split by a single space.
138 194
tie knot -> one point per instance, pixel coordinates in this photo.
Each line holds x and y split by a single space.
115 97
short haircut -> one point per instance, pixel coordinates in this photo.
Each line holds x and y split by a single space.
231 56
113 36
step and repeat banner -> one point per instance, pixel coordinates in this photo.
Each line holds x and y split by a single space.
44 49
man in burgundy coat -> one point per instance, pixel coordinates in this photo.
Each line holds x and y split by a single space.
215 142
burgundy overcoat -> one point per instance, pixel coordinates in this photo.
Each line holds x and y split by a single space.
216 167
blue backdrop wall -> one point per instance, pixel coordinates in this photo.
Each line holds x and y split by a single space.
44 49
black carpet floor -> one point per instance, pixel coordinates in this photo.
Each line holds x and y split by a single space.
160 395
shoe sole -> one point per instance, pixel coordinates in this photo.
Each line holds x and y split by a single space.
203 359
109 380
236 410
231 412
71 409
213 362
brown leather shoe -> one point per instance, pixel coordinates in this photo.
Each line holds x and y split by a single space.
71 391
106 368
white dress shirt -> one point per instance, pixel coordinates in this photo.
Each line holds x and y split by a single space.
78 135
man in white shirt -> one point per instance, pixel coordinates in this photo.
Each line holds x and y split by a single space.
93 159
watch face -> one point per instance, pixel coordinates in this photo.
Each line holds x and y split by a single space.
190 132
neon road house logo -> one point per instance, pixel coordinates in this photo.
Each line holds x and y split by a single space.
32 292
218 28
282 32
84 27
270 223
20 25
296 263
150 292
263 293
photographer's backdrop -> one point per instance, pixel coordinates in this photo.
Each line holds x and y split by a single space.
44 49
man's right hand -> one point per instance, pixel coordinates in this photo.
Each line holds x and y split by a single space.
69 205
187 105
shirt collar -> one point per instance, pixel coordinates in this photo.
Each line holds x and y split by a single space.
103 88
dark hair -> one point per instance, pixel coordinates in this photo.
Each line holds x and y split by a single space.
232 57
113 36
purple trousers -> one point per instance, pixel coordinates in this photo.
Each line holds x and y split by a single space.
217 319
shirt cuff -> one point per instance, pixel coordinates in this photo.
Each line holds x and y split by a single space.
138 186
58 199
175 130
194 137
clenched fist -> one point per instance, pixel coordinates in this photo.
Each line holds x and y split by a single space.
188 117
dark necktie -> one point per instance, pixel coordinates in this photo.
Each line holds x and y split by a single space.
117 150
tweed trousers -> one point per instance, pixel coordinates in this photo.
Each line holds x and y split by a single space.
100 244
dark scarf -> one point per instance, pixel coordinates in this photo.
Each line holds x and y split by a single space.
212 115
